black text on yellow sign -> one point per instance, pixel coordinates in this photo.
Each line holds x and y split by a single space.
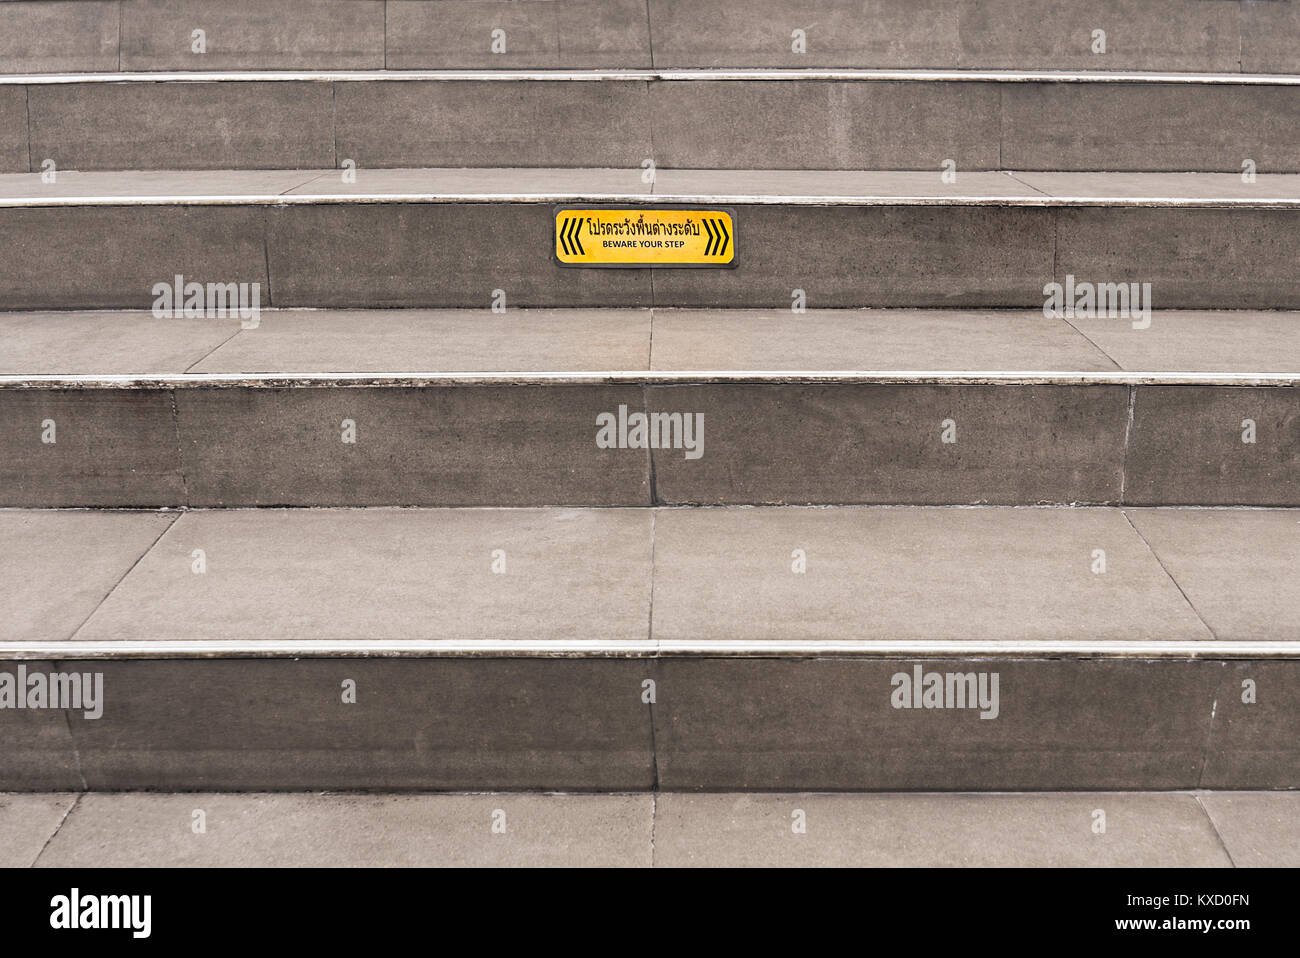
645 237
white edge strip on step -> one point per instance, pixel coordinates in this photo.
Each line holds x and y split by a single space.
756 648
643 75
643 377
651 199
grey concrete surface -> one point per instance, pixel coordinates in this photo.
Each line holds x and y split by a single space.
1205 186
27 822
453 254
458 724
1237 341
14 156
1240 258
1161 35
104 342
1255 742
1229 563
929 831
433 255
615 122
488 123
58 566
773 340
487 181
876 256
36 748
877 339
154 183
828 724
1186 447
1268 32
440 445
254 35
377 184
1142 829
766 443
1259 829
389 574
446 340
840 183
881 443
777 723
333 831
111 448
562 33
911 575
59 37
1149 127
111 257
187 126
825 125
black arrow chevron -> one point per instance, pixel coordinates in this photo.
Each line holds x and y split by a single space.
564 236
713 237
726 237
577 228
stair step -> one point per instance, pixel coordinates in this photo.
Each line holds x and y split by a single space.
349 34
538 407
680 119
1176 667
670 829
445 238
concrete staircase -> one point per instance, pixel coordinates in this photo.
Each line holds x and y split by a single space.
912 533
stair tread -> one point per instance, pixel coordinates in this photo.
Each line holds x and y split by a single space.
414 344
582 581
537 184
1167 34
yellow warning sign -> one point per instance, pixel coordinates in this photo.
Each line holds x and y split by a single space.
644 237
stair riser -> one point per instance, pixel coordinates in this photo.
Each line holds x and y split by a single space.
806 724
735 124
356 34
457 254
762 444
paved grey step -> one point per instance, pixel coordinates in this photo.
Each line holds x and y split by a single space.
1178 582
470 407
1186 35
454 238
671 829
1173 668
777 120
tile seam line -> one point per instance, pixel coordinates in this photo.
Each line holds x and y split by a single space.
72 637
207 355
657 75
1088 339
59 827
180 467
27 106
76 750
1214 827
1124 511
1209 732
1017 174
